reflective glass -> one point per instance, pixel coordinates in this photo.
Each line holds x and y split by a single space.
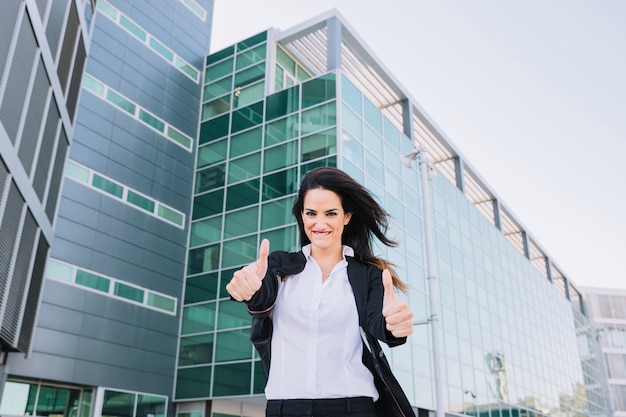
280 184
281 130
161 49
318 90
232 379
247 117
233 345
241 195
196 349
351 95
277 213
248 141
179 137
215 152
206 205
249 94
118 404
244 168
129 292
121 102
283 239
201 288
107 185
161 302
373 142
373 116
285 60
203 259
251 56
327 162
215 107
150 405
219 55
280 156
352 123
250 75
140 201
374 167
241 222
214 129
193 382
217 88
205 231
133 28
59 271
392 135
282 103
240 251
198 318
93 281
319 145
251 41
219 70
352 149
210 178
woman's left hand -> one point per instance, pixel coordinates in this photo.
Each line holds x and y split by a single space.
398 316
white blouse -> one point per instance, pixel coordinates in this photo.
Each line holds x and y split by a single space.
316 342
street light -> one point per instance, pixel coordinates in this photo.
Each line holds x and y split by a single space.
427 173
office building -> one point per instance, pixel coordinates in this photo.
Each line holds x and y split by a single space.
607 311
107 328
181 163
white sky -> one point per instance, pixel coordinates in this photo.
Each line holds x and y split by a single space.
532 93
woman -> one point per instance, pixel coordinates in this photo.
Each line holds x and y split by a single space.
308 307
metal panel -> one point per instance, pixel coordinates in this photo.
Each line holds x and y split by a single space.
33 123
55 24
46 149
8 18
18 80
67 52
57 174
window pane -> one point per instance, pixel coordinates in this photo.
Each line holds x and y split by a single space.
133 28
59 271
206 205
161 49
241 222
198 318
280 156
128 292
106 8
186 68
285 60
161 302
251 56
247 117
150 404
242 195
206 231
121 102
77 172
195 350
201 288
352 150
283 239
93 85
214 129
277 213
350 94
217 88
251 41
232 379
219 55
319 145
92 281
244 168
318 90
169 214
327 162
281 130
203 259
250 75
240 251
233 345
280 184
249 94
278 78
210 154
352 122
318 118
178 137
118 404
193 382
372 115
283 103
140 201
233 314
107 186
220 69
373 142
210 178
245 142
215 107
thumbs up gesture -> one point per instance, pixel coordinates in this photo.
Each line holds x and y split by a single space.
247 281
398 316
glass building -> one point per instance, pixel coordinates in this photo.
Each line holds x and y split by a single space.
607 310
180 163
515 340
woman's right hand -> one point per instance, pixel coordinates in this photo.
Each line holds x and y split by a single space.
247 281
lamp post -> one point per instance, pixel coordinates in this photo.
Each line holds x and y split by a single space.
427 172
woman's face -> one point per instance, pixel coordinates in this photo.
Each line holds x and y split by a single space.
324 219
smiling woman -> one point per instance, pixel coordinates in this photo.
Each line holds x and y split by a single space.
309 308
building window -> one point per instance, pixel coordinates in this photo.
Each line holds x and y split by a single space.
22 398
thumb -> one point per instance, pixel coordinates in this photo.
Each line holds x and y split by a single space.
389 295
261 263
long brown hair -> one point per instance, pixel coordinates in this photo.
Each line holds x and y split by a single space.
369 219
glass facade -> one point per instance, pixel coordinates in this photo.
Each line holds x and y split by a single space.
512 343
